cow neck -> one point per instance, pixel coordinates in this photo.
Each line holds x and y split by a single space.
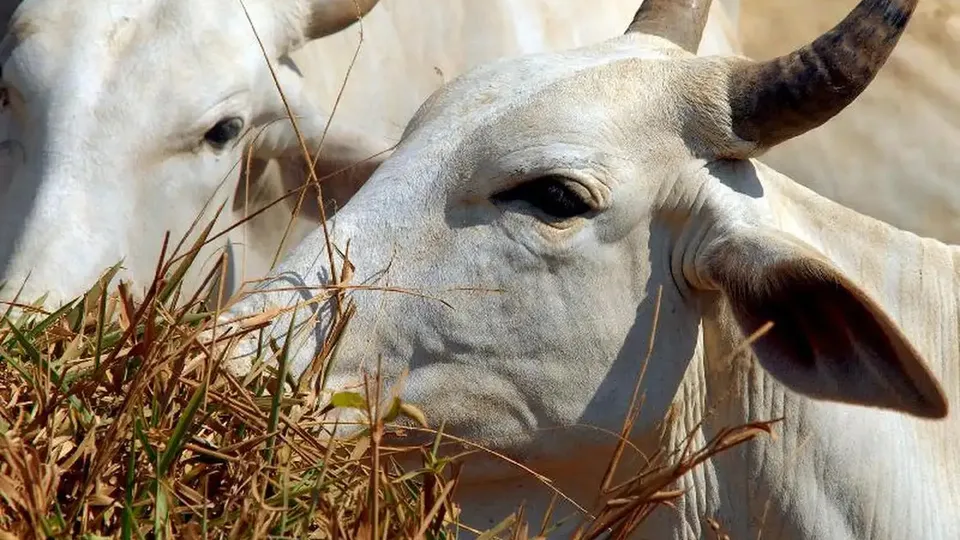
843 471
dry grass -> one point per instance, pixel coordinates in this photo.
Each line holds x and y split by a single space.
118 421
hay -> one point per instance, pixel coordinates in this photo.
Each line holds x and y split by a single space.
118 421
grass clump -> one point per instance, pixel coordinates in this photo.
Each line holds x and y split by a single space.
117 420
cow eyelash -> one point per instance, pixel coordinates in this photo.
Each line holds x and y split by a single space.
223 132
550 194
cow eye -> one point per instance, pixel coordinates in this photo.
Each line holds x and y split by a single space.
550 194
223 132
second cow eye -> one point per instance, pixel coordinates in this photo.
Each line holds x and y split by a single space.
549 194
223 132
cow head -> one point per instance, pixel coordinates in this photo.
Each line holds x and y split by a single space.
509 255
125 119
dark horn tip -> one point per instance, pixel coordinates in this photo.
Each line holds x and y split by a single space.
779 99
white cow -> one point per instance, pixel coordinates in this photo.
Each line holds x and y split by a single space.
129 117
548 198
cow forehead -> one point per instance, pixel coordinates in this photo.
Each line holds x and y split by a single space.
93 37
127 58
604 98
514 82
66 20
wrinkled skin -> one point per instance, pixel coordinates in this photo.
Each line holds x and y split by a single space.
547 316
109 112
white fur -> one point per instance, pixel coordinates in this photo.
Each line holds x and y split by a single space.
547 326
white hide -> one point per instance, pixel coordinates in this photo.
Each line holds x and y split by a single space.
523 330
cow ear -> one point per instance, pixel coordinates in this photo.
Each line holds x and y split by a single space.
325 17
278 137
348 156
829 340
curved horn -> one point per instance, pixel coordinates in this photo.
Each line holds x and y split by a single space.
680 21
785 97
327 17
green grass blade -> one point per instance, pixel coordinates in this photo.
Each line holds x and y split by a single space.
188 260
34 355
161 512
49 320
129 519
101 323
12 362
281 377
31 351
179 436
